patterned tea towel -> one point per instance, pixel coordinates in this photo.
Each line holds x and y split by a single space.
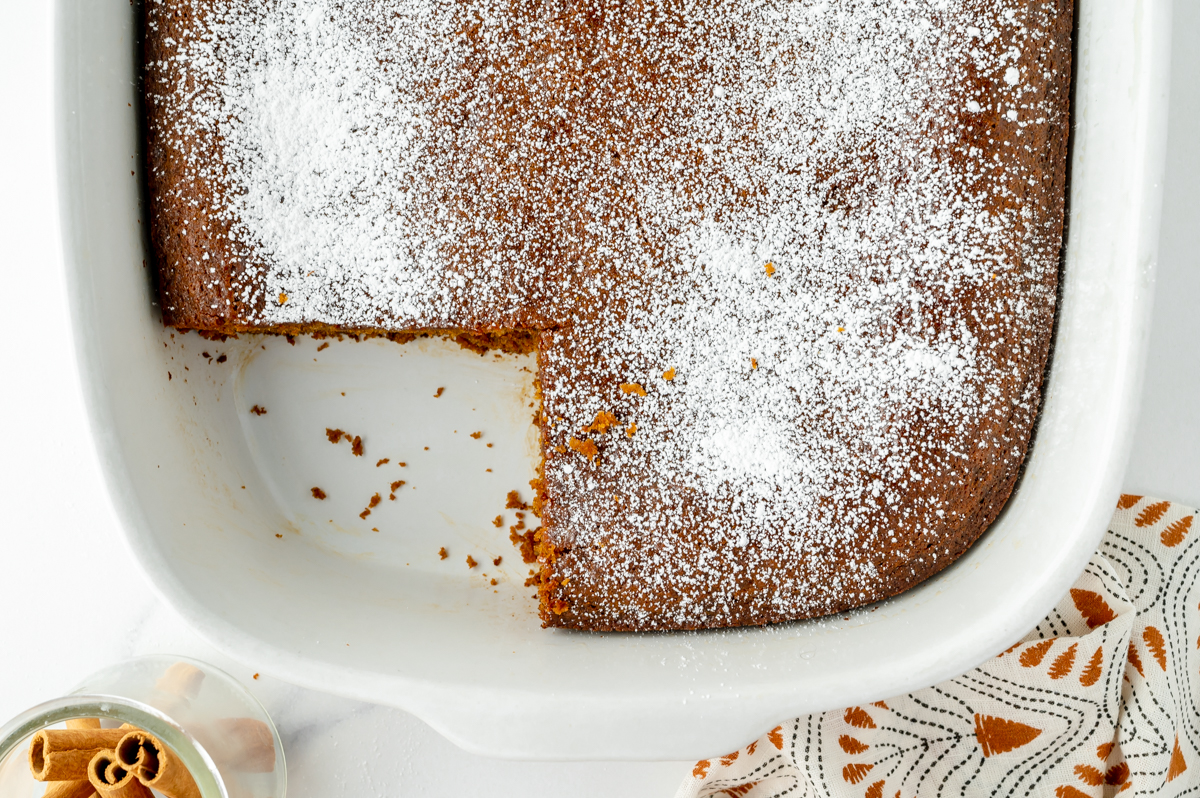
1101 698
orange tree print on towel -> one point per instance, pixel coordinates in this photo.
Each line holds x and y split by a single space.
1101 699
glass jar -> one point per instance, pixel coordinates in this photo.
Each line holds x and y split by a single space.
218 731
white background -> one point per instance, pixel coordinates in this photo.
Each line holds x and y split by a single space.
71 599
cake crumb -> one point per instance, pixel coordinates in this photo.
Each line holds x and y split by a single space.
602 422
221 358
633 387
489 470
669 374
318 494
753 363
323 347
632 428
477 435
283 298
402 465
493 581
375 500
291 339
498 522
357 446
471 561
334 435
489 446
255 677
497 561
770 269
585 447
381 462
514 502
526 543
278 535
374 529
395 486
439 393
442 553
258 410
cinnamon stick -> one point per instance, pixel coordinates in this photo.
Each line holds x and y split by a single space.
247 744
113 781
70 789
74 789
155 765
181 679
64 754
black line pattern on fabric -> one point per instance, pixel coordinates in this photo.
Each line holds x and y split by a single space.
1015 687
978 770
930 708
1111 582
925 742
1134 596
721 785
901 751
962 702
1117 663
1159 743
1057 620
794 738
814 725
928 770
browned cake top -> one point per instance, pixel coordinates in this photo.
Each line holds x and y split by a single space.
804 253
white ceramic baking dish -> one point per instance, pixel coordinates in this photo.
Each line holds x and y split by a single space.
217 507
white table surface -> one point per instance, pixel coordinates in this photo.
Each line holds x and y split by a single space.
74 601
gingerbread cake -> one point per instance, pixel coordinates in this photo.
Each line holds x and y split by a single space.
789 266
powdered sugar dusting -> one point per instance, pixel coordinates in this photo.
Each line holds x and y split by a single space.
329 145
836 224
